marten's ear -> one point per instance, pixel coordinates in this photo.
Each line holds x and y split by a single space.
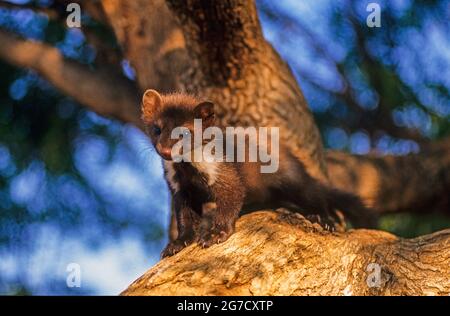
151 103
205 111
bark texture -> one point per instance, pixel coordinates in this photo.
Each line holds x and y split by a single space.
281 253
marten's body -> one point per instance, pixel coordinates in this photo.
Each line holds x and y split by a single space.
208 196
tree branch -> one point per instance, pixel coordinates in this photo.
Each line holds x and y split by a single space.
412 183
234 66
101 90
280 253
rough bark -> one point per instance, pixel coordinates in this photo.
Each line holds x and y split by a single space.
52 14
281 253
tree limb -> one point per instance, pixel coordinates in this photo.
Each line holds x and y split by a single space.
280 253
414 183
100 90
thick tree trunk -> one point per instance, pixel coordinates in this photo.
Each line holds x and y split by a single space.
281 253
416 183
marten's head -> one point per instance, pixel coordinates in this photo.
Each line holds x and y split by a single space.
161 114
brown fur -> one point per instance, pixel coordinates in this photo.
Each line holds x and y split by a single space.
209 196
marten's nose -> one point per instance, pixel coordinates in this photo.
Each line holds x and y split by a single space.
166 153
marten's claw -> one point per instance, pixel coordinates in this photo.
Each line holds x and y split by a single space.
171 249
175 247
213 237
326 223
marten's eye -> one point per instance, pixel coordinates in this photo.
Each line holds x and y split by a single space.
186 132
156 130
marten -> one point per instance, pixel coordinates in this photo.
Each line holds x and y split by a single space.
208 195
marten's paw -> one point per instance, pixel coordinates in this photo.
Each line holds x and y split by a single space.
175 246
214 236
326 223
172 248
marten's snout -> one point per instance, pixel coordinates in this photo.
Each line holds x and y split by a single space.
165 152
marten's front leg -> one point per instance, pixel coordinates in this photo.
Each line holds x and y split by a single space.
219 217
187 221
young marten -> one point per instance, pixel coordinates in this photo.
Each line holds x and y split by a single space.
208 195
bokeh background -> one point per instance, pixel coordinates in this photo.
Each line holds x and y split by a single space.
78 187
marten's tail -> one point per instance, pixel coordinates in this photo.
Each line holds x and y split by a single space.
353 208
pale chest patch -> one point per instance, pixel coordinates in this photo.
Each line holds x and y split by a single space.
210 170
170 176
